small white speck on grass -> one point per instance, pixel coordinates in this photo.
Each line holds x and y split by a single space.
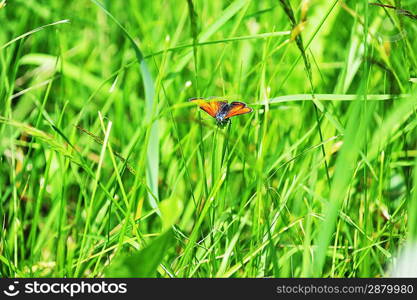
253 26
336 147
413 80
167 38
29 167
385 213
113 86
42 182
188 83
405 262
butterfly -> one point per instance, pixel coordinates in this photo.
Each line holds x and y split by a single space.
221 110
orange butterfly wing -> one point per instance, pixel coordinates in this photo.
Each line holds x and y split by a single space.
210 107
238 108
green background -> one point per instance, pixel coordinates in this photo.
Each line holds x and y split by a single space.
107 170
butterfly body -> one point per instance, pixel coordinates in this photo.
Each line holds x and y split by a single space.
222 111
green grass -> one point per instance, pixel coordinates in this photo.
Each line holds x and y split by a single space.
107 170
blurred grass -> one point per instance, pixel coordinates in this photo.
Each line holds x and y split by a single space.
318 181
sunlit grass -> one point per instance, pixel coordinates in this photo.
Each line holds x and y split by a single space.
107 170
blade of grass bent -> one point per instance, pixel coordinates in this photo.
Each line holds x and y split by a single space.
32 32
153 143
344 170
